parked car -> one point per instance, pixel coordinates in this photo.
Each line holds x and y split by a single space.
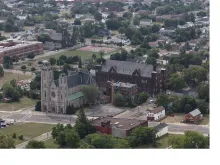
171 114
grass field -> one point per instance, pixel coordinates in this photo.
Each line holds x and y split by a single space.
28 130
50 143
8 76
161 142
83 54
23 103
180 116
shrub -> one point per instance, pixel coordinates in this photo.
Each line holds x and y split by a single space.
21 137
14 136
119 100
33 69
23 67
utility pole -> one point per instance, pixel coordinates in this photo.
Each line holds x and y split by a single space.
113 91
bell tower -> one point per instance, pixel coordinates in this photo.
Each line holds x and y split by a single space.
46 80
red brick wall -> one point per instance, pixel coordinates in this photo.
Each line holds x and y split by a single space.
104 130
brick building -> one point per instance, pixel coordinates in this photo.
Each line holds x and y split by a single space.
18 48
117 127
142 75
193 117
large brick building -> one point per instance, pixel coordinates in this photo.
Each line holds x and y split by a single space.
142 75
117 127
18 48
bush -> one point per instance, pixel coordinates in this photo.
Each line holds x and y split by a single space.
21 137
38 106
33 69
1 96
14 136
23 67
143 96
39 62
119 100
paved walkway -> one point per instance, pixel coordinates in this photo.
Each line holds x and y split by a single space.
42 137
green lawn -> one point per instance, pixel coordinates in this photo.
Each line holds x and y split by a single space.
8 76
50 143
83 54
28 130
23 103
161 142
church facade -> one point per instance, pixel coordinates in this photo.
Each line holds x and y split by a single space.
57 95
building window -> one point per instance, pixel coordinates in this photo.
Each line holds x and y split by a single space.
61 96
45 94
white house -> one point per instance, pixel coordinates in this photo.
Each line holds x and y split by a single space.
156 114
162 129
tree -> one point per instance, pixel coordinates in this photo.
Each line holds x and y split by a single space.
58 133
190 139
52 61
31 55
176 82
203 92
6 142
162 99
142 135
7 62
34 144
112 24
91 93
38 106
121 30
80 63
136 21
11 92
143 96
13 82
21 137
188 108
93 56
83 126
101 53
72 138
77 22
97 140
119 100
98 16
66 68
33 69
23 67
1 71
43 38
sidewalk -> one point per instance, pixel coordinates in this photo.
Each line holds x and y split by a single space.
42 137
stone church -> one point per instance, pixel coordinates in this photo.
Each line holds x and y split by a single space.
56 95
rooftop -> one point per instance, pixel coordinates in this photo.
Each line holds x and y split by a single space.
157 109
75 96
121 123
195 112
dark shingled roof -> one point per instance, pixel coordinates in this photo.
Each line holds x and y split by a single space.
78 78
127 68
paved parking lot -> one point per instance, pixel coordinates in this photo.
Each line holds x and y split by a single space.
104 110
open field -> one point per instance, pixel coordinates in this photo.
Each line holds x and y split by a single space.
85 55
23 103
28 130
160 143
97 49
180 116
50 143
8 76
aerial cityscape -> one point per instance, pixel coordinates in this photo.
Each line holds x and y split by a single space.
104 74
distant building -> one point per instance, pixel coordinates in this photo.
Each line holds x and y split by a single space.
20 49
162 129
193 117
117 127
144 76
145 22
156 114
57 95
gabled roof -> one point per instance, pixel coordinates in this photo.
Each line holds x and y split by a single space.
158 109
127 68
161 126
195 112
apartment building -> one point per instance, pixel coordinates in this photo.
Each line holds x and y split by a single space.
19 48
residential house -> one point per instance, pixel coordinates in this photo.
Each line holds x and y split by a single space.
146 22
117 127
166 32
156 114
193 117
162 129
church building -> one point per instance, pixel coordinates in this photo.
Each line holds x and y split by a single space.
57 95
